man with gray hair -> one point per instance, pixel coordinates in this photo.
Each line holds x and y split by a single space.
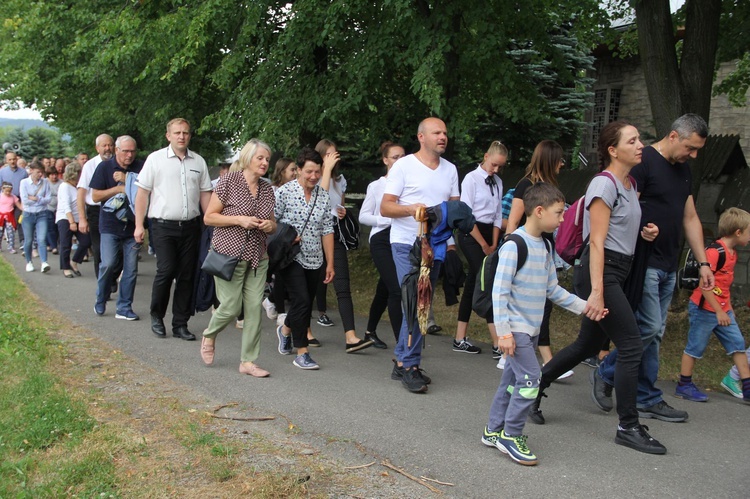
664 183
88 209
116 227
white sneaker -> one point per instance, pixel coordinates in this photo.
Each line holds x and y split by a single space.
29 267
566 374
239 324
501 363
45 267
280 319
270 309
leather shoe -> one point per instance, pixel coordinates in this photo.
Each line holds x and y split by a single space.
182 332
207 351
253 370
157 326
376 342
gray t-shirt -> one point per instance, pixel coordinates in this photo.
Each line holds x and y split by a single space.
625 219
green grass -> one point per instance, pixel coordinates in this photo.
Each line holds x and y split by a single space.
564 326
44 450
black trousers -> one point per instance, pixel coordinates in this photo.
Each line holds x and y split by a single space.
279 293
388 291
619 325
301 284
474 256
65 243
176 245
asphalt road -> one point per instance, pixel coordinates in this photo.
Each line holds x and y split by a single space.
436 434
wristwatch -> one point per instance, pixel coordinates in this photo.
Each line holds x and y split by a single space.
704 264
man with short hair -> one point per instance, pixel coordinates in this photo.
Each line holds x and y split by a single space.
88 209
82 158
664 183
118 247
422 179
13 174
175 181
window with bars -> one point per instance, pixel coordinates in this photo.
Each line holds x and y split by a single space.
606 109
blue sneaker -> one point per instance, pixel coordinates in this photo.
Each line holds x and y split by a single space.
100 308
128 315
515 446
285 342
491 438
690 392
304 361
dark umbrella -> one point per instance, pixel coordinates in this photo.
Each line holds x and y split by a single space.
416 288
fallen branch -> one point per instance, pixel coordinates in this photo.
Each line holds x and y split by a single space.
220 407
262 418
359 467
411 477
437 481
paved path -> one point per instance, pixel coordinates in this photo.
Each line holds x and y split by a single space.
438 434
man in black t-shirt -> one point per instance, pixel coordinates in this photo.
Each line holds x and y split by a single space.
116 228
664 188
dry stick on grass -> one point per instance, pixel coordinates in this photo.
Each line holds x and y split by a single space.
261 418
359 467
436 481
223 406
411 477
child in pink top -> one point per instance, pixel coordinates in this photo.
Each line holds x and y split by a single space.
8 203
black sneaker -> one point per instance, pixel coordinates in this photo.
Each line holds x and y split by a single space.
592 361
325 321
601 392
664 412
413 381
535 414
464 346
376 342
398 371
496 353
427 379
638 438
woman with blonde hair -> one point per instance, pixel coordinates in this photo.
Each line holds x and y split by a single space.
66 219
242 211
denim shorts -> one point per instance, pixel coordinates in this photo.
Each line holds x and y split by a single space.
703 323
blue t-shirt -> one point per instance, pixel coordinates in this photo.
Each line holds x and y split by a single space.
102 180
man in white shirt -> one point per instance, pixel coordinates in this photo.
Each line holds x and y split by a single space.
420 179
88 210
175 181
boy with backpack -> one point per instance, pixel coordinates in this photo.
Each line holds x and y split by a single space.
710 311
518 297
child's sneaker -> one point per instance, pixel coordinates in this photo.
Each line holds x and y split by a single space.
690 392
732 385
515 446
501 363
492 438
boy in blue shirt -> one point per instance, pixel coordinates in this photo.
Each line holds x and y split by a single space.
518 305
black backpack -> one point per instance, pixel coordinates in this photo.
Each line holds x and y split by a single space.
689 276
482 301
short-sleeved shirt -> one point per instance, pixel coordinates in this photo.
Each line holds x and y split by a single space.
518 193
414 182
724 278
292 208
336 194
86 173
235 196
664 188
102 180
7 203
13 177
624 217
175 184
485 199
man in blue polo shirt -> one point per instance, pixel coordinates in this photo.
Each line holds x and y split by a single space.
116 228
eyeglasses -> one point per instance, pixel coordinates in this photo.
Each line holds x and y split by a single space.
128 151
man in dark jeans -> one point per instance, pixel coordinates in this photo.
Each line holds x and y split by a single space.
176 183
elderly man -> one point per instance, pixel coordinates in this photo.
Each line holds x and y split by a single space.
118 247
176 182
417 180
13 174
664 186
88 209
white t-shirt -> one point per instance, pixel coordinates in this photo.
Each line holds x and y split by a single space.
86 173
486 204
414 182
336 193
369 214
66 202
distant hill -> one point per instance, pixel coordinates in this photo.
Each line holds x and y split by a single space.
25 124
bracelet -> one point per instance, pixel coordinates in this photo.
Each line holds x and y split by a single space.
704 264
506 336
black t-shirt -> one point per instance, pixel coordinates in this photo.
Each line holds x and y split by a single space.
521 187
664 189
102 180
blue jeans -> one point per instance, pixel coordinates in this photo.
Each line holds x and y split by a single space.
35 223
117 250
409 355
651 316
703 323
52 234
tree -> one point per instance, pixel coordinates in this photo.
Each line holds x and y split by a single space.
19 141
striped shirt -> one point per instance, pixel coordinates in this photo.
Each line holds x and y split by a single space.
518 300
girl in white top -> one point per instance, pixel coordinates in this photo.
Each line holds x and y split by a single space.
482 190
388 291
66 219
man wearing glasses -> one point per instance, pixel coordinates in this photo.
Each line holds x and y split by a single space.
116 227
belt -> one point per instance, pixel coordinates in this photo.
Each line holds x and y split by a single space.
177 223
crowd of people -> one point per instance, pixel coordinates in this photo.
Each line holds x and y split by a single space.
624 276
